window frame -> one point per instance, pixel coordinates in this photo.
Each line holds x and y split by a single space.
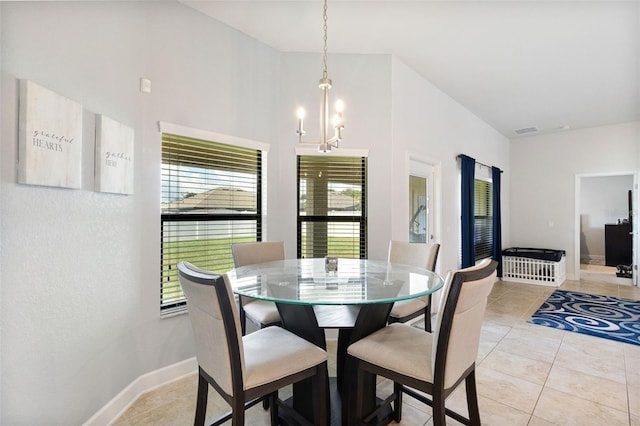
362 156
179 306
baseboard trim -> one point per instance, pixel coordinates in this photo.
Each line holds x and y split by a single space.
145 383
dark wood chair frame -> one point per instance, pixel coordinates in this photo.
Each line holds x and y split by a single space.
362 371
427 309
244 399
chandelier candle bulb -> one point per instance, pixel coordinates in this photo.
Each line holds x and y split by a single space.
300 114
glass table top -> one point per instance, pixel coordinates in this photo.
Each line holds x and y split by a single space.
356 282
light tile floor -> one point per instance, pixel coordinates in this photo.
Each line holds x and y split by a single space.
526 374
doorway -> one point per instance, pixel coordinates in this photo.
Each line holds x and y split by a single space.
606 242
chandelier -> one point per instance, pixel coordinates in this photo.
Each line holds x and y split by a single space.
326 143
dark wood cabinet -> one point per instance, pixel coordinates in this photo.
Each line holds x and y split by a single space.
617 244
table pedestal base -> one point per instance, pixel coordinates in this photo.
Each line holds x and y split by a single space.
302 321
336 408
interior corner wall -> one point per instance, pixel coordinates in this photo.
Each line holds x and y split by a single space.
363 82
429 124
80 319
544 170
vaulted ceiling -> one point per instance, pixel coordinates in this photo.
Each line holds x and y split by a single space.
516 64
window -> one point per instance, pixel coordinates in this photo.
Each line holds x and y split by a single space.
483 217
332 202
211 198
480 235
418 209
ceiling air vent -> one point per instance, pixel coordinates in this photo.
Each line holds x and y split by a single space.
526 130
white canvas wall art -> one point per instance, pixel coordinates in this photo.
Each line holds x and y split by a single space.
114 156
50 138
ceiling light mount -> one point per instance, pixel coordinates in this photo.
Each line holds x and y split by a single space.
326 143
532 129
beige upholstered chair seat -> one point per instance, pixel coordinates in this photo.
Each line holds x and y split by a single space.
398 347
262 312
404 308
273 353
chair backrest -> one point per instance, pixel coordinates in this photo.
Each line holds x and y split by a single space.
216 326
257 252
415 254
458 330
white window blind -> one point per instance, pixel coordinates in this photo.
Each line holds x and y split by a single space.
211 198
332 217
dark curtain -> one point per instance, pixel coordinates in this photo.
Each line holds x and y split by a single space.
467 168
497 218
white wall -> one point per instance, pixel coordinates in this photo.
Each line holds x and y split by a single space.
428 124
80 316
544 170
603 200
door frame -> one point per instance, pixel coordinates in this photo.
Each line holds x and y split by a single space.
635 244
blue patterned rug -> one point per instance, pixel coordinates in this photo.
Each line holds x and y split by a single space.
592 314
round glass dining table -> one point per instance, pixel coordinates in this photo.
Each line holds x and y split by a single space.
313 295
354 296
354 282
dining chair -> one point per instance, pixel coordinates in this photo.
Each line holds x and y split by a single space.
423 256
246 369
433 363
260 312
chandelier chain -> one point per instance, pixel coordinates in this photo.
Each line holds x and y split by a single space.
324 52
